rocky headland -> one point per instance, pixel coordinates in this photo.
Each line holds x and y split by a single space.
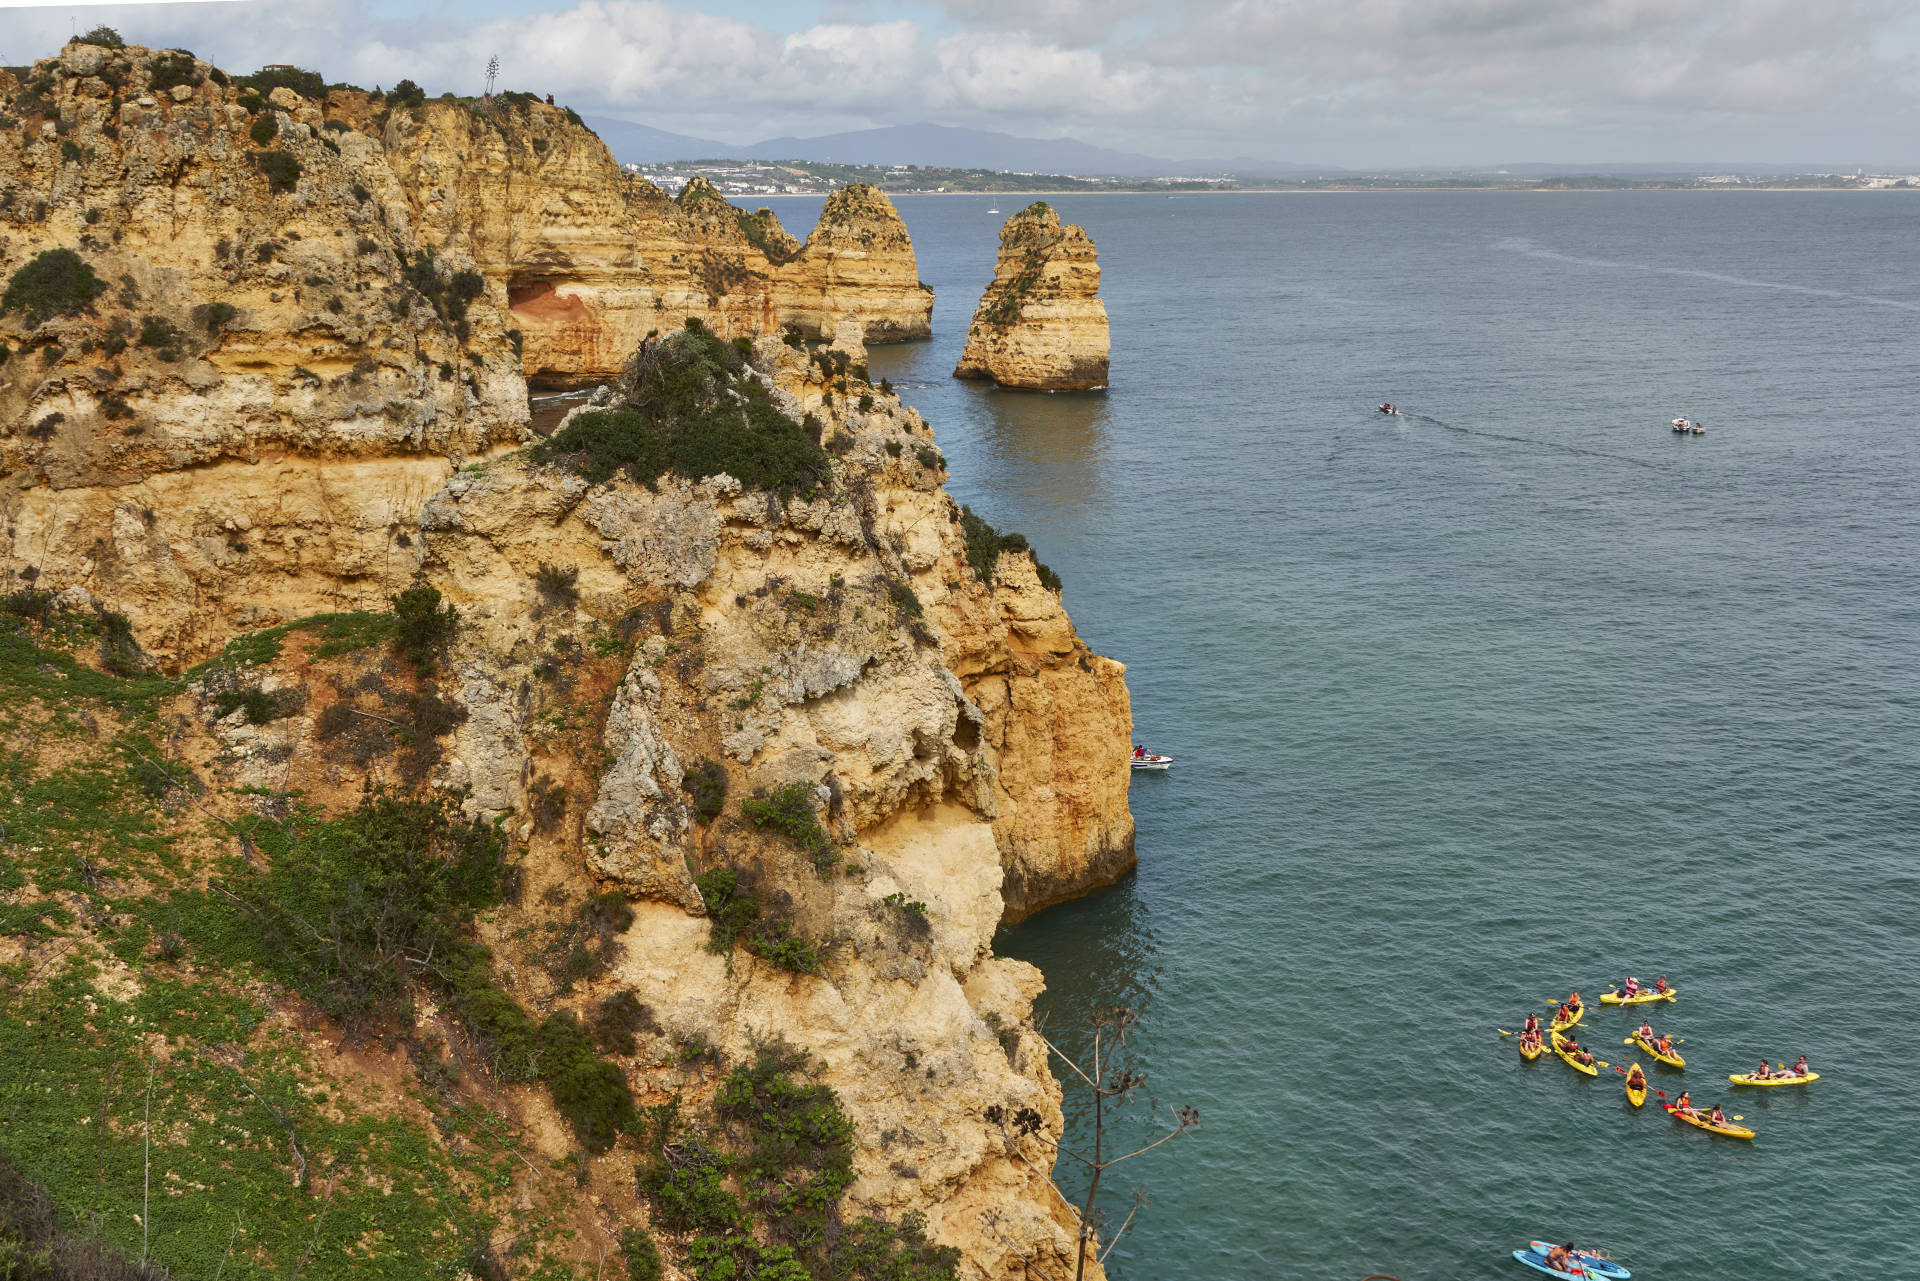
1039 326
733 738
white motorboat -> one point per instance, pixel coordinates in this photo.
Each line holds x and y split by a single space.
1143 759
1684 426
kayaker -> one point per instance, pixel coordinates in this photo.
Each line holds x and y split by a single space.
1573 1002
1631 987
1664 1045
1683 1104
1660 984
1636 1079
1531 1026
1646 1031
1800 1068
1765 1073
1717 1116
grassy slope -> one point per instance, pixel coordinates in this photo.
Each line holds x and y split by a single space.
105 1042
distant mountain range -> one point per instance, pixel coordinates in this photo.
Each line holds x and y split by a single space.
929 145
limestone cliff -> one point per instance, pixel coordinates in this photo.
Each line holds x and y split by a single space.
857 263
593 259
1039 326
295 391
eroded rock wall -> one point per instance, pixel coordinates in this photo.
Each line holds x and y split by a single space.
350 428
1039 326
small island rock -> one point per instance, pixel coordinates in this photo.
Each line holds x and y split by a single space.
1039 326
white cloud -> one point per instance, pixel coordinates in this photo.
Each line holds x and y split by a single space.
1349 81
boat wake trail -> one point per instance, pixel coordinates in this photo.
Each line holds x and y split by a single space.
1529 440
1521 245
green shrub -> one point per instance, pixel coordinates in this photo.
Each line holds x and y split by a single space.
347 908
70 153
556 585
619 1017
796 1144
214 317
732 911
904 600
36 1246
423 628
308 84
104 36
56 282
589 1091
643 1257
930 458
789 811
691 409
261 706
706 785
985 544
170 69
872 1249
281 169
265 128
158 331
407 94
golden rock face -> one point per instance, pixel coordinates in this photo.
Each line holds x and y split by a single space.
289 399
1039 326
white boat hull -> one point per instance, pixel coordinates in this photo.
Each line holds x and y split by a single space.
1150 762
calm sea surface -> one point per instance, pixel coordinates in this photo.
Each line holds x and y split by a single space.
1516 693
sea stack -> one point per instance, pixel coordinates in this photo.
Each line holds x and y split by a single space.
1039 326
858 260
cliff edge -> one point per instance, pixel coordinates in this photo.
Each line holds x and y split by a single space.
740 739
1039 326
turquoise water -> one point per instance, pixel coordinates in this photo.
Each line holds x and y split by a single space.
1516 693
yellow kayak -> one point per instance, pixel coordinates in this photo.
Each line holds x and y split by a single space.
1731 1130
1637 1095
1642 997
1671 1060
1559 1048
1747 1078
1578 1014
1531 1052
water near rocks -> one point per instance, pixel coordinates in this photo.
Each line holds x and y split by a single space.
1516 692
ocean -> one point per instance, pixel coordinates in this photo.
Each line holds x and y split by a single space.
1513 694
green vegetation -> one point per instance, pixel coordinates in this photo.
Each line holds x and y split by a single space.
758 1194
406 94
985 545
171 68
904 600
55 282
643 1257
757 228
339 634
280 167
214 317
619 1017
692 409
35 1247
265 128
735 915
557 586
308 84
789 811
345 909
706 785
104 36
422 627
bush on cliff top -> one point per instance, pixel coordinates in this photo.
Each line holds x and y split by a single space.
985 543
308 84
691 408
57 282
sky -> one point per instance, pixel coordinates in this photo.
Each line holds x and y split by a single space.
1354 83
